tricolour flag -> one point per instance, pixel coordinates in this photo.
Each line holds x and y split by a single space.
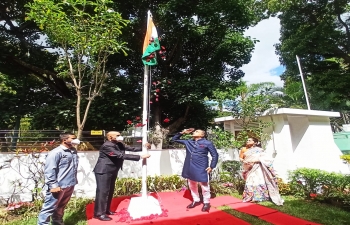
151 43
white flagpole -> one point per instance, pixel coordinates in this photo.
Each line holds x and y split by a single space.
144 130
144 205
302 80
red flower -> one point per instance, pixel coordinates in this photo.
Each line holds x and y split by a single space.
154 83
150 102
156 99
140 125
138 118
166 120
157 90
129 122
312 195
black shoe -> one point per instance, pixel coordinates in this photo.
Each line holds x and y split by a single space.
193 204
206 207
103 218
110 213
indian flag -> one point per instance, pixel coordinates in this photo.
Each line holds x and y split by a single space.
151 43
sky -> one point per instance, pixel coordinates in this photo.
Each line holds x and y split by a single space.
264 65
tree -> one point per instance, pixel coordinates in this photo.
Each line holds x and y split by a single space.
23 50
205 45
88 33
248 103
319 33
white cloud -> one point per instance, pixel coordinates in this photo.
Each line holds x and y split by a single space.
264 60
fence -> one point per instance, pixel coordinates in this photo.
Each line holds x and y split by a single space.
45 140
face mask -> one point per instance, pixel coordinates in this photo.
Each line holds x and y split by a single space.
75 142
120 138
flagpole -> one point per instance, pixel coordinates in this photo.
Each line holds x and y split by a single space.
302 80
144 130
145 205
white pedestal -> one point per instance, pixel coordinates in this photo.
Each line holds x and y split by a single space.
144 206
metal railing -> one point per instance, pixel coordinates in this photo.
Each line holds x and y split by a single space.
45 140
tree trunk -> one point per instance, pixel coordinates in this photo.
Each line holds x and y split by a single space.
157 114
175 125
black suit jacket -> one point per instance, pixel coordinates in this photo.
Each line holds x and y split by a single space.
112 156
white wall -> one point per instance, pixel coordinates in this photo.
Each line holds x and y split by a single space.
303 141
161 162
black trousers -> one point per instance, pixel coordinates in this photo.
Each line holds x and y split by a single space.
104 192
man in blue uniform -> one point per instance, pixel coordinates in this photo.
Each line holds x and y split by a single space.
196 166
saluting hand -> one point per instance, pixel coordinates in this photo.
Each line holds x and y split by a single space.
187 131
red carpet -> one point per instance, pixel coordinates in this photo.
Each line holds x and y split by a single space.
282 219
175 203
252 209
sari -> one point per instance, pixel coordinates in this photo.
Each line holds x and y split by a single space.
260 177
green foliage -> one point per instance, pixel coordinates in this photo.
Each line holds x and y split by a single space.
246 103
231 172
130 186
346 158
23 209
311 210
320 185
89 27
88 32
201 41
27 213
205 45
222 139
318 32
284 188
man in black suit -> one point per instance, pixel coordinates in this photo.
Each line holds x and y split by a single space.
110 160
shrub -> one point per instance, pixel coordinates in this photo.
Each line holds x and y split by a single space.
231 172
320 185
284 188
130 186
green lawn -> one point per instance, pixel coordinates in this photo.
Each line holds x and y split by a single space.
308 210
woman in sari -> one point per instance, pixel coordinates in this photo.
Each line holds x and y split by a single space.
259 175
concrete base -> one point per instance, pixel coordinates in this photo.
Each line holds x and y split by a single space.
144 206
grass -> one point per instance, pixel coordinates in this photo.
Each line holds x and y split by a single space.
312 211
70 218
74 214
308 210
248 218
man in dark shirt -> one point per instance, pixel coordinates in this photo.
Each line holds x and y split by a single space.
196 166
110 160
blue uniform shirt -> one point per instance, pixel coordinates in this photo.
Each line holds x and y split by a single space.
197 161
61 167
